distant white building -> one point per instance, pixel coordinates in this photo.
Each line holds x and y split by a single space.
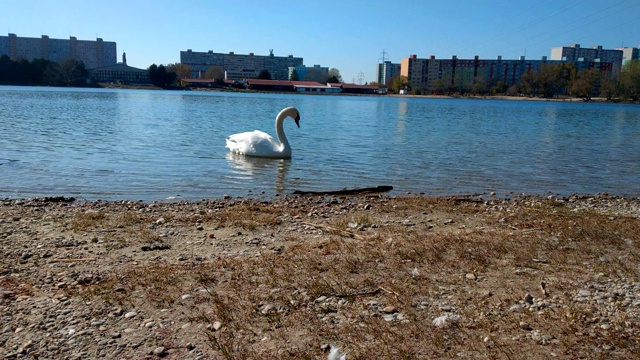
629 54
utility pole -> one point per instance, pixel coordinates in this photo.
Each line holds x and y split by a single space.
360 78
382 70
383 56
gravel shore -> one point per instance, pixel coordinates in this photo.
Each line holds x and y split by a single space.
377 276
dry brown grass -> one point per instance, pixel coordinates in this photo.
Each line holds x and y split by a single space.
420 270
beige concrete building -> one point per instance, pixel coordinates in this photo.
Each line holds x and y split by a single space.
278 66
575 53
92 53
466 75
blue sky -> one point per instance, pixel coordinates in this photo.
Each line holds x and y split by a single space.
349 35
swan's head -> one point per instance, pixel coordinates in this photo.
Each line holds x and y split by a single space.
297 118
293 113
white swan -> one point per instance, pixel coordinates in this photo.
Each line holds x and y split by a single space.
261 144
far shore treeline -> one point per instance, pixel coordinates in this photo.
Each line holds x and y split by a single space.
550 81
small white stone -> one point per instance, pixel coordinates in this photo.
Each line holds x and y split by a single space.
470 276
130 315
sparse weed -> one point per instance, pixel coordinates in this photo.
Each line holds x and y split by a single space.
377 293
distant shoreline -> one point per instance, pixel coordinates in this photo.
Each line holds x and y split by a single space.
563 98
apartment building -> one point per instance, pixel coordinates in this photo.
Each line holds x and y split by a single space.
386 71
278 66
574 53
93 54
433 75
629 54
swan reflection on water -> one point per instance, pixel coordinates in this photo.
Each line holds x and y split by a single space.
259 170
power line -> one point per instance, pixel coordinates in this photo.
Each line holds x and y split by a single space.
576 25
527 26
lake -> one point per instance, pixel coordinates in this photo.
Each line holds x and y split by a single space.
114 144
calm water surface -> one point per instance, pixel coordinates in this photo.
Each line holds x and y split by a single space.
152 145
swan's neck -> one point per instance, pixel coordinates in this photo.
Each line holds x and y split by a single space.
285 147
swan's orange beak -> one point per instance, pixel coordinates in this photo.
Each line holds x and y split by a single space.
297 119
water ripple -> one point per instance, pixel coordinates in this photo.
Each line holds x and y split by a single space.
152 145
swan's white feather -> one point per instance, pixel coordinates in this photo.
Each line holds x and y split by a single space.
260 144
254 142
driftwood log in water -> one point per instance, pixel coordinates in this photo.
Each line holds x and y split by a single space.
358 191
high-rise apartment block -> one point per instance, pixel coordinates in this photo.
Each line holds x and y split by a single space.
278 66
93 54
575 54
629 54
386 71
433 75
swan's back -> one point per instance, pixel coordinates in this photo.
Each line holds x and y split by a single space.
256 143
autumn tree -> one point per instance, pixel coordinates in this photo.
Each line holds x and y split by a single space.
216 73
183 71
547 80
584 83
610 88
400 82
528 84
479 86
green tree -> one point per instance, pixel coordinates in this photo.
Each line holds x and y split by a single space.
499 88
567 73
53 75
73 72
6 65
160 77
438 87
333 76
630 80
479 86
294 75
264 74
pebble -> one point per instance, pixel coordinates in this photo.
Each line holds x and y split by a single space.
389 309
160 351
130 315
42 314
470 276
584 293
